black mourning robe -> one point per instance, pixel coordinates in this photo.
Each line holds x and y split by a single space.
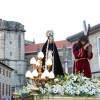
57 64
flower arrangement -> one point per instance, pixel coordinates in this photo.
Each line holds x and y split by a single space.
25 91
70 85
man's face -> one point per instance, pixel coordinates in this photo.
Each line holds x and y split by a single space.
83 43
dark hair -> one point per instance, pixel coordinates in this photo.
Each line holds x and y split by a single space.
82 38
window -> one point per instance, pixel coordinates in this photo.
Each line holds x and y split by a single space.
10 53
4 72
9 90
99 46
98 41
0 70
9 74
3 89
6 89
0 88
10 42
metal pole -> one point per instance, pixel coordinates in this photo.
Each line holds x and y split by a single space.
66 67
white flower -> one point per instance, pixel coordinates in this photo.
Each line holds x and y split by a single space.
98 95
86 90
57 85
74 88
98 90
19 92
86 85
97 85
43 91
66 91
24 91
69 91
90 93
78 92
69 82
49 89
74 78
65 85
53 86
68 88
72 92
84 78
27 91
89 87
93 91
91 84
55 90
75 84
56 80
46 85
61 92
78 86
72 75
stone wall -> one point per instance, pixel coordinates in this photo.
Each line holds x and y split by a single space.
1 45
12 49
6 80
95 60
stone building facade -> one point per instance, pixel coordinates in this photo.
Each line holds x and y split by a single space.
12 50
5 82
64 50
94 38
16 52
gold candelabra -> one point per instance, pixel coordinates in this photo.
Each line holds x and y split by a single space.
40 74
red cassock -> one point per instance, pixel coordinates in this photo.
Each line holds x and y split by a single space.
81 63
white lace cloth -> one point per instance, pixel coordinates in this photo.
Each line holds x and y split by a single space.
50 54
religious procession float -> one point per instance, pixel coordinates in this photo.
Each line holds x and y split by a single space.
48 82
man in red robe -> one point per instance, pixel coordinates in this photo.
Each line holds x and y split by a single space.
80 51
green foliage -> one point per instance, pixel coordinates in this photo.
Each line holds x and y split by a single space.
68 94
84 94
41 95
23 95
70 72
65 74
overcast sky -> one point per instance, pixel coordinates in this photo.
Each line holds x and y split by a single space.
65 17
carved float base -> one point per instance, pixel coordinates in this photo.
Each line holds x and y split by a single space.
69 98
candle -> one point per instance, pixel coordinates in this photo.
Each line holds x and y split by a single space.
49 62
33 61
51 75
35 73
40 55
28 75
46 73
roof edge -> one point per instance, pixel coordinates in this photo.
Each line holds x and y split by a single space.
6 66
77 35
